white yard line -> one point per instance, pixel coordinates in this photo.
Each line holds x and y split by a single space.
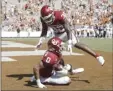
14 44
10 44
31 53
7 59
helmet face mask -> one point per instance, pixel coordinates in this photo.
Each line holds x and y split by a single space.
62 47
48 19
47 14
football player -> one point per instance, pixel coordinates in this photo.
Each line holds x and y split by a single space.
50 69
58 21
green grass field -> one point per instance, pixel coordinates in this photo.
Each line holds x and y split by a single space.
99 44
94 43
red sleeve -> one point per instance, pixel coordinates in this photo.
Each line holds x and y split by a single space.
62 16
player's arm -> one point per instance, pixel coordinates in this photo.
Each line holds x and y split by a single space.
37 75
44 28
67 28
69 34
43 33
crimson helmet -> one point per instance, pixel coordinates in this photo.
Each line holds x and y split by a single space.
55 44
47 14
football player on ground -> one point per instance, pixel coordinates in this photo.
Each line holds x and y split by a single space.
57 20
51 68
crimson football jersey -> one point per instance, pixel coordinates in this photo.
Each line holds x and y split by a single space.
49 60
57 25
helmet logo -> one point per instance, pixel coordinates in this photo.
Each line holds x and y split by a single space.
55 42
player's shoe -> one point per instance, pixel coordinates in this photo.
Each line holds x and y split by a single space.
101 60
73 71
78 70
32 79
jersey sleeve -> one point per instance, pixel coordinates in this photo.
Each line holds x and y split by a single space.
62 16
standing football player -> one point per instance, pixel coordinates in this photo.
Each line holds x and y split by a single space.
58 21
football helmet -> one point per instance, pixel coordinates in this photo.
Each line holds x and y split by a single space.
55 44
47 14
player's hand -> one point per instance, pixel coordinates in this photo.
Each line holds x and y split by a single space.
70 46
38 45
40 42
40 85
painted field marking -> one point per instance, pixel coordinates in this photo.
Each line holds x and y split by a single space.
31 53
7 59
10 44
14 44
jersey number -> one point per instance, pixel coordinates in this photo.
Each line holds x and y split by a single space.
48 59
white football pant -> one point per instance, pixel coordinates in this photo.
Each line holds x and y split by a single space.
64 37
57 78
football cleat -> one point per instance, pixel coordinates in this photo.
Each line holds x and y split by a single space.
78 70
101 60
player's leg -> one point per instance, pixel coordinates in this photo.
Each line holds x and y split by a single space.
82 46
35 73
68 70
85 48
62 36
56 80
76 43
60 77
